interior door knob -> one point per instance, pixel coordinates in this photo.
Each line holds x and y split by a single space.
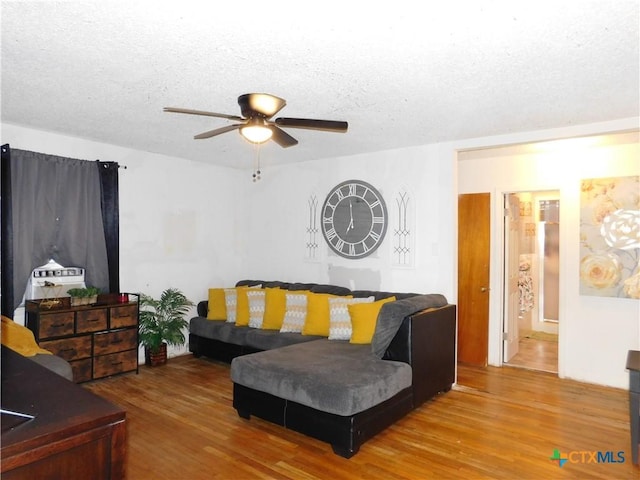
483 289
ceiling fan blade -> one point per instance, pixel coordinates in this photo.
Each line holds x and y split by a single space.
263 104
200 112
217 131
326 125
282 138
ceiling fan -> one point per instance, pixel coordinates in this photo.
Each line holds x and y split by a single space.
256 125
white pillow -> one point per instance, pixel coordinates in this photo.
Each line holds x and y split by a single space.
295 314
339 318
256 307
231 302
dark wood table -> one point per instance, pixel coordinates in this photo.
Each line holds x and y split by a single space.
74 433
633 365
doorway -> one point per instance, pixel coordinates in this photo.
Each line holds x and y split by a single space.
532 256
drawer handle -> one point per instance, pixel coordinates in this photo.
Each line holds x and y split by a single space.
96 319
116 363
57 325
68 350
115 342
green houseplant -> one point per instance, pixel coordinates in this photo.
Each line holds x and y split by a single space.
162 323
83 296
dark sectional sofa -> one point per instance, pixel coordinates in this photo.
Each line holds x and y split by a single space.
332 390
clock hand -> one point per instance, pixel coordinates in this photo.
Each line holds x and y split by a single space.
350 226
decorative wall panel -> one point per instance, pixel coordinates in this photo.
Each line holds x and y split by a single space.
610 237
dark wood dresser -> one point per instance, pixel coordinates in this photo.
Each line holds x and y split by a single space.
74 434
98 340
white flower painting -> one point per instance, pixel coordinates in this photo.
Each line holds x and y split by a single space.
610 237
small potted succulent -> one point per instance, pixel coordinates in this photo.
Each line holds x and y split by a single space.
162 323
83 296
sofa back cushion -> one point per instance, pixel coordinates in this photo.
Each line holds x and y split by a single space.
393 313
251 283
330 289
298 286
381 295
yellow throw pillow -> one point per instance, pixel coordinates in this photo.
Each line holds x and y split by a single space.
217 308
242 306
339 319
364 317
318 317
275 306
19 339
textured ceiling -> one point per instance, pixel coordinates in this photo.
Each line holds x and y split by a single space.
401 73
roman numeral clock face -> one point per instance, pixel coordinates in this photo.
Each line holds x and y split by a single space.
354 219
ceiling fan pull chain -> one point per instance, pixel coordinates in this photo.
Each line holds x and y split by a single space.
256 165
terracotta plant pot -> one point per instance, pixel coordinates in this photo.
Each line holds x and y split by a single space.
156 359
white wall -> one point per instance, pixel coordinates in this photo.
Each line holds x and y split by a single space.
595 332
276 243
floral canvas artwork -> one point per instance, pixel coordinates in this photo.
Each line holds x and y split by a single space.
610 237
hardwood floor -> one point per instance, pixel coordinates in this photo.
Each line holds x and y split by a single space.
496 423
537 355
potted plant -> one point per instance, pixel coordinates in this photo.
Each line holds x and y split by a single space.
162 323
83 296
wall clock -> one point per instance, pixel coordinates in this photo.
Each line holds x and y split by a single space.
354 219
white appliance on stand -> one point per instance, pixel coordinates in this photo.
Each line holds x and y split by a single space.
49 281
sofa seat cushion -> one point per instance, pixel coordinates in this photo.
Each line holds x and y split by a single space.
215 330
328 375
269 339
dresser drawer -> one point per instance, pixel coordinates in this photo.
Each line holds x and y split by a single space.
105 365
55 325
81 370
92 320
116 341
70 348
124 316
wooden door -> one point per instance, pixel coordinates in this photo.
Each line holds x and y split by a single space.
474 223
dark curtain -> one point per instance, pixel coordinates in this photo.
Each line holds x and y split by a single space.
54 208
6 250
108 172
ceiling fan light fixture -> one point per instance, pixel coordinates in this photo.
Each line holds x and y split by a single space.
264 103
256 133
